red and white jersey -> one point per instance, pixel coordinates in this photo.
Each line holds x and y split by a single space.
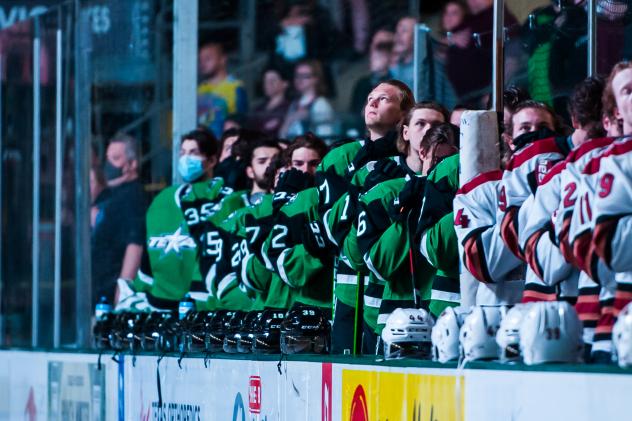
612 207
544 235
582 222
481 249
526 169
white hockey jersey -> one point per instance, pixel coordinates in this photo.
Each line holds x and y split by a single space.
544 236
482 251
526 169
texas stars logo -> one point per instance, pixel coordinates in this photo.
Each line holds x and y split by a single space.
175 242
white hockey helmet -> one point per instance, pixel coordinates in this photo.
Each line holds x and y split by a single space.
407 334
445 334
551 332
508 336
478 333
622 337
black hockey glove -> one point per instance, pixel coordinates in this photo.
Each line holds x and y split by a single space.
409 198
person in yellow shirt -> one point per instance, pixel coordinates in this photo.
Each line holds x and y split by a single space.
219 93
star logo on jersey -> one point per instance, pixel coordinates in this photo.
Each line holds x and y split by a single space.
172 242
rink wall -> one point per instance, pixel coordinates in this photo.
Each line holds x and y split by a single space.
70 386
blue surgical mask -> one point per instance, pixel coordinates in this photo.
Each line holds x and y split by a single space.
190 167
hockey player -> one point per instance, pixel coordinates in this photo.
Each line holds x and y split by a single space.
610 206
301 276
174 226
339 222
478 215
385 107
386 221
543 238
295 274
222 272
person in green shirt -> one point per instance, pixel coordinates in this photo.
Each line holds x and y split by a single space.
387 219
384 109
301 276
174 223
229 229
258 271
340 224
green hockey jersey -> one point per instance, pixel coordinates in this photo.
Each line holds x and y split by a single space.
174 222
301 277
436 236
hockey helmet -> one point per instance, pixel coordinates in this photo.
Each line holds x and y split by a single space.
306 330
214 337
193 331
266 334
622 337
551 332
231 331
478 333
445 334
151 330
407 333
508 335
246 332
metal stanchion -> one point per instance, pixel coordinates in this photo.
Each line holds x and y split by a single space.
498 64
35 246
59 153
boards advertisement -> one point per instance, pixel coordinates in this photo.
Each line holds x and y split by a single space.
76 391
397 395
23 386
241 390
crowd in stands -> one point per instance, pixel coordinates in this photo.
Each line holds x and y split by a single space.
271 216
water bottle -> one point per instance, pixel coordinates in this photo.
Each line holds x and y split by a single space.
187 304
102 308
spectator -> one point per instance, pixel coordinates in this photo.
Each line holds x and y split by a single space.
306 31
512 97
234 121
453 15
268 116
475 56
455 115
219 94
119 229
403 63
379 60
311 111
382 36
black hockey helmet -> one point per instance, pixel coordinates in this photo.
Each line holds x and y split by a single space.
101 331
232 327
151 330
215 331
305 329
267 331
246 330
117 332
169 334
194 330
132 325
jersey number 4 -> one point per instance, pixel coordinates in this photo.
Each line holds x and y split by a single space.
461 220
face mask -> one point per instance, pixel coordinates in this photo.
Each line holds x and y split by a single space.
190 167
111 172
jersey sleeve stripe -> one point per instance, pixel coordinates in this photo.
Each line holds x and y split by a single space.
495 175
538 147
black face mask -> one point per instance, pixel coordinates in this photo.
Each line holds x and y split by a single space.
111 172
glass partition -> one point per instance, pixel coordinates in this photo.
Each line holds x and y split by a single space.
76 75
65 93
16 46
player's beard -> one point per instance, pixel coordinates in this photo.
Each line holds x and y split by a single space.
263 182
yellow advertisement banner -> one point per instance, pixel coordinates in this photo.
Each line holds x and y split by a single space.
375 395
